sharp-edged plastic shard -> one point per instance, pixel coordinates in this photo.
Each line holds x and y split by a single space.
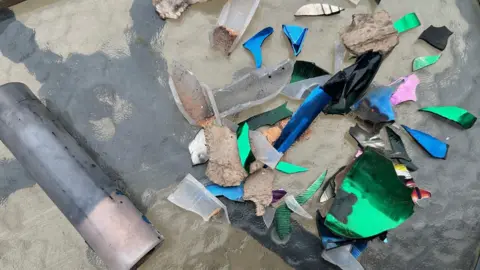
397 146
366 139
369 189
300 90
278 194
303 70
355 2
231 193
295 207
406 91
430 144
436 36
453 113
289 168
189 95
198 149
407 22
342 257
254 45
318 10
263 150
191 195
268 216
302 118
232 23
296 36
269 118
173 9
244 92
244 149
375 106
425 61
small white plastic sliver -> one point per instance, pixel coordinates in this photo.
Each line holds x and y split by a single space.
293 205
191 195
342 257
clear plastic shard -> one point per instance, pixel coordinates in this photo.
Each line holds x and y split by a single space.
342 257
293 205
263 150
301 89
318 10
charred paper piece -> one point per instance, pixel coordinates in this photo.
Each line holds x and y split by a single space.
342 257
375 106
198 149
244 149
303 70
258 189
289 168
370 32
296 36
348 85
278 194
231 193
232 23
406 91
254 45
436 36
370 188
301 89
263 150
425 61
302 118
295 207
407 22
269 118
318 10
192 196
366 139
397 146
430 144
453 113
172 9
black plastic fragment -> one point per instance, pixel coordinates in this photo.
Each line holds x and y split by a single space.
397 145
303 70
436 36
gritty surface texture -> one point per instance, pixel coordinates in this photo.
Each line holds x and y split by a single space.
108 82
258 189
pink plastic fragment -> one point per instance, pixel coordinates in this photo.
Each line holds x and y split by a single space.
406 91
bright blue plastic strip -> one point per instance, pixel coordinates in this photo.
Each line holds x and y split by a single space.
254 45
296 35
432 145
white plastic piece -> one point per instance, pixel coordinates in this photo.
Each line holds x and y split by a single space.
263 150
355 2
191 195
342 257
318 10
297 90
293 205
198 149
269 216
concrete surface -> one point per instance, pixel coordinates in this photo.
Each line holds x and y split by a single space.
101 66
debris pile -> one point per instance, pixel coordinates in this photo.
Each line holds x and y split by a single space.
372 194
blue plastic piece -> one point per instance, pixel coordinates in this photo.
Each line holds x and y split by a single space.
231 193
302 118
376 106
296 35
254 45
432 145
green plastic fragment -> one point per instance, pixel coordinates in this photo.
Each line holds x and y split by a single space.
371 199
269 118
244 149
407 22
453 113
425 61
303 70
289 168
283 214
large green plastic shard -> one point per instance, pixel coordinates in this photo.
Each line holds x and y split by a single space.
289 168
456 114
270 117
425 61
283 214
407 22
244 149
371 199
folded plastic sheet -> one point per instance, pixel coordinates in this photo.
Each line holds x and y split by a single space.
269 118
453 113
302 119
289 168
407 22
296 36
231 193
318 10
342 257
406 91
303 70
369 189
263 150
397 146
430 144
425 61
301 89
375 106
295 207
254 45
348 85
436 36
268 216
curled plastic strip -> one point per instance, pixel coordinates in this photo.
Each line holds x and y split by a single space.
254 45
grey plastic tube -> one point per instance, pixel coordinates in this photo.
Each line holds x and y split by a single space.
107 220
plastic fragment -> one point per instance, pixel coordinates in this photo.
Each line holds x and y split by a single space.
406 91
269 118
318 10
370 32
430 144
232 23
231 193
355 2
301 89
198 149
425 61
269 216
173 9
369 189
348 85
254 45
436 36
375 106
263 150
339 56
191 195
296 36
407 22
258 189
244 149
277 195
289 168
453 113
397 146
342 257
366 139
303 70
302 118
295 207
